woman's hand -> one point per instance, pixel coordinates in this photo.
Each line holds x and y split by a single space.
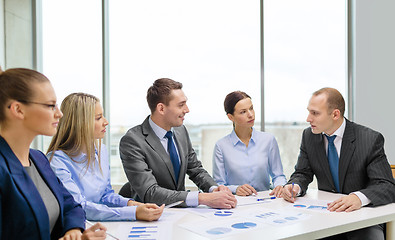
96 232
245 190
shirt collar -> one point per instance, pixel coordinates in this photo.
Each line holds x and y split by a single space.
160 132
340 131
235 139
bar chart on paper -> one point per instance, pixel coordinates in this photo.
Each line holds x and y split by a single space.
144 232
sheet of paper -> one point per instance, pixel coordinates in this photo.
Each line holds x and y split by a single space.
311 204
248 200
146 230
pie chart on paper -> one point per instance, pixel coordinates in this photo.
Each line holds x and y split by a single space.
223 213
244 225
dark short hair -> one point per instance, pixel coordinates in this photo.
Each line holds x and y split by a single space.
232 99
334 99
160 92
16 84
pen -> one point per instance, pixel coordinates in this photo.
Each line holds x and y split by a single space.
109 234
173 204
266 198
292 190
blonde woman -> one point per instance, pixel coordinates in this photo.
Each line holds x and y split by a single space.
80 161
34 205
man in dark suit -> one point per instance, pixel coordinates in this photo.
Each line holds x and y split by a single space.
346 158
157 154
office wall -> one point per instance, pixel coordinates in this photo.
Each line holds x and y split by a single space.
2 55
18 37
374 53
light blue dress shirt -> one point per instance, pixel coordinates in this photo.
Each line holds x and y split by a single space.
92 187
234 164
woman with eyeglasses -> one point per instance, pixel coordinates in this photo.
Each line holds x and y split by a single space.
33 202
245 159
80 161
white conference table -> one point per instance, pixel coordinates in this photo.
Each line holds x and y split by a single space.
318 225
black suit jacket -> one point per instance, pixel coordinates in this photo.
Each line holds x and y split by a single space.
150 171
363 165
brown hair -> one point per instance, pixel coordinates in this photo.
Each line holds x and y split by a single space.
160 92
75 134
16 84
334 99
232 99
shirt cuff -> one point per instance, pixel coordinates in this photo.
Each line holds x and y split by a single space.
124 201
192 199
128 212
233 188
364 200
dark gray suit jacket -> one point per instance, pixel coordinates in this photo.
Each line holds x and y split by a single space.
150 171
363 165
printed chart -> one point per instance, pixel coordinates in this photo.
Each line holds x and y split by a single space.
144 232
314 205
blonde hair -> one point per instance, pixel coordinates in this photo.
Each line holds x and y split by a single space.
75 134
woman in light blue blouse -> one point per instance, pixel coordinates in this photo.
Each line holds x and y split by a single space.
80 161
245 159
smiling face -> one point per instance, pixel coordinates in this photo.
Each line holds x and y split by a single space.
321 118
100 122
173 113
244 114
39 118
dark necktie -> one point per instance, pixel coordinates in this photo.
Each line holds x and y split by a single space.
173 153
333 161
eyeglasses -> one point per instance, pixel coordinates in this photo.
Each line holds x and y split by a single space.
53 107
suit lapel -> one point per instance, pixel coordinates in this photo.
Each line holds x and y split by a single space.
319 146
26 187
346 152
153 140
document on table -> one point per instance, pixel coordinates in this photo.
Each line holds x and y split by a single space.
311 204
248 219
259 199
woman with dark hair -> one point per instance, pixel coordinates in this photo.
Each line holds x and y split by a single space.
245 159
33 202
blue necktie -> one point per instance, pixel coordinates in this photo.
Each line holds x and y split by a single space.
173 154
333 161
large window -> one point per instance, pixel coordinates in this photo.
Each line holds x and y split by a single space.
304 50
211 46
72 56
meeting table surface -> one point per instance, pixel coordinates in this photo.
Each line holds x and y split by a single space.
257 217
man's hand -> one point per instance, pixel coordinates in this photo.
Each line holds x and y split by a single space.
289 193
277 191
218 199
149 212
347 204
245 190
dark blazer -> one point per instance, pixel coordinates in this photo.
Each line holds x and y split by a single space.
363 165
22 213
150 171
